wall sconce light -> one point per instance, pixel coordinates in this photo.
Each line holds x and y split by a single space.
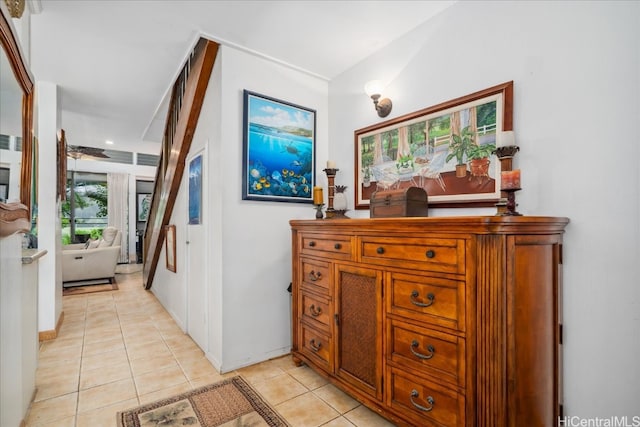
16 7
374 90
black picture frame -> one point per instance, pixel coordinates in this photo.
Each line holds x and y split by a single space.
279 145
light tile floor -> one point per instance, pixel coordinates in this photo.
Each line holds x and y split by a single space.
120 349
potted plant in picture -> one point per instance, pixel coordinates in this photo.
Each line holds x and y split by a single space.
404 164
366 177
458 148
478 156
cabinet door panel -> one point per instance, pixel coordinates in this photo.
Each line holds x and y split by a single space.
359 328
533 313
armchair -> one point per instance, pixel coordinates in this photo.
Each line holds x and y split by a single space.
85 262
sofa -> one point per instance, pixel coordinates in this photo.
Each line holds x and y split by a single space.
93 260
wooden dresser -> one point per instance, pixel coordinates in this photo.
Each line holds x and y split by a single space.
450 321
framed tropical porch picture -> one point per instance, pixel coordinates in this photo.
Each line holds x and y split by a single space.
279 142
447 149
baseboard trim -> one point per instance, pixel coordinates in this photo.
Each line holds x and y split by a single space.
23 422
51 334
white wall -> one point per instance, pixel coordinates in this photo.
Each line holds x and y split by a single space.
48 215
171 288
575 67
249 241
11 408
256 235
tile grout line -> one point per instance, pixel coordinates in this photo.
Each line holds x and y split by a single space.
124 344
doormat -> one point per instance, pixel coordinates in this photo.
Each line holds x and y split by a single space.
88 289
231 402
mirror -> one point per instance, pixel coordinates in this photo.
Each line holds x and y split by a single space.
18 105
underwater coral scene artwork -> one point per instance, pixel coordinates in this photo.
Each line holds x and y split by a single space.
279 150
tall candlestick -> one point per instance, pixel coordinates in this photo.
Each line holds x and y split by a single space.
331 177
509 179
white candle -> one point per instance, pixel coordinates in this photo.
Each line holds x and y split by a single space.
331 164
506 139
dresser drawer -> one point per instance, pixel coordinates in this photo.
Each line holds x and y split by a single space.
316 311
326 245
317 346
426 403
439 255
316 276
435 353
431 300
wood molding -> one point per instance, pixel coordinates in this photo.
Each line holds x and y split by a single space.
23 76
164 200
51 334
492 363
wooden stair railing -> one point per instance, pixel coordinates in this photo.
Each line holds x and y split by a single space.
182 118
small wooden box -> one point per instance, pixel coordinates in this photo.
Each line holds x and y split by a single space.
410 201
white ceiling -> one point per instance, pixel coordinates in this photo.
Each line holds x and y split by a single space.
114 61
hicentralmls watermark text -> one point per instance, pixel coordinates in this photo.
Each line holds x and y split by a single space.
575 421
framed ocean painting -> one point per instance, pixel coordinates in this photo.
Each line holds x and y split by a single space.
279 141
195 190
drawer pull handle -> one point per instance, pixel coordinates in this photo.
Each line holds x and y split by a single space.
312 243
430 401
315 312
430 253
431 297
430 349
315 276
380 250
337 246
315 347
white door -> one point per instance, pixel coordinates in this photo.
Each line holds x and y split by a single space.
197 251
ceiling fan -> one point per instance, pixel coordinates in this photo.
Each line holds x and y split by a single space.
78 151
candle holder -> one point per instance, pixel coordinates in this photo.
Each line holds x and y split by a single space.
318 208
505 154
331 177
340 202
511 203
